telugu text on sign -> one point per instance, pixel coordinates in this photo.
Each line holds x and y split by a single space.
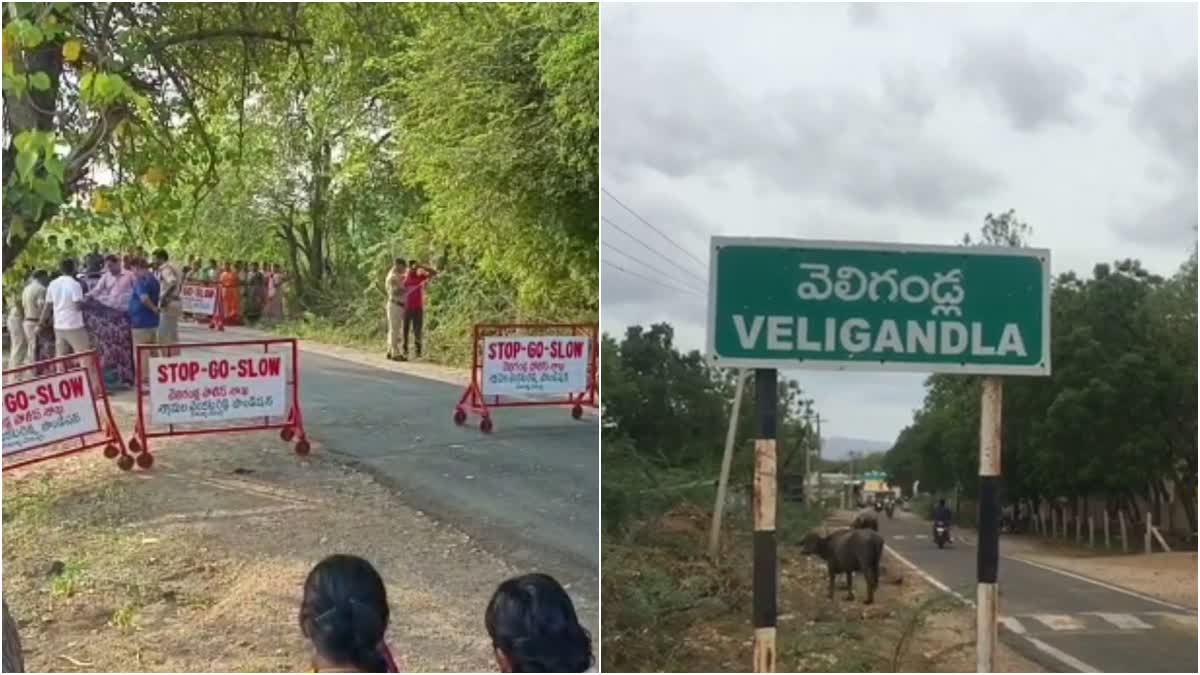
215 388
865 306
199 299
48 410
535 366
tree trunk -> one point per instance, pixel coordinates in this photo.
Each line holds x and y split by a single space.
318 210
32 110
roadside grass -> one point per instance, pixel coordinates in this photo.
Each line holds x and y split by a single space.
68 581
668 608
30 503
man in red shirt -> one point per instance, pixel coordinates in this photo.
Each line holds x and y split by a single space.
414 304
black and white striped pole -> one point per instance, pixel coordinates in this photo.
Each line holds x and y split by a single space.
766 397
988 554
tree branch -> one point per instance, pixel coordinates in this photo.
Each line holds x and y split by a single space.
220 33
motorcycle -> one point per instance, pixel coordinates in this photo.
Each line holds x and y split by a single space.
889 507
878 506
941 534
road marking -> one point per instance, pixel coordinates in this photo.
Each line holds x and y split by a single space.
1058 621
925 575
1011 623
899 536
1110 587
1186 619
1122 621
1062 656
922 536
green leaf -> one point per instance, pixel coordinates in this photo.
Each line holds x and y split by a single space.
25 164
109 86
28 35
86 82
55 167
48 189
16 228
17 84
39 81
26 140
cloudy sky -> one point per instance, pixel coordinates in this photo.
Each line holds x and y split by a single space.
887 123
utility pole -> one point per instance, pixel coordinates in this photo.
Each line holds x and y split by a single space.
714 536
820 492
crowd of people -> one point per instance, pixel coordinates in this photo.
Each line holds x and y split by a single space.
247 292
530 619
112 303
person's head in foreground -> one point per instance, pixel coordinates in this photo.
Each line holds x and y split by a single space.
533 627
345 614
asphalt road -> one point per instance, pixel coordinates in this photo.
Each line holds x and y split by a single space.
528 492
1063 622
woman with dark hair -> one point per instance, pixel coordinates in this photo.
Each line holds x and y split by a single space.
345 615
534 629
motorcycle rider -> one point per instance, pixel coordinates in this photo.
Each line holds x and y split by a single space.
941 514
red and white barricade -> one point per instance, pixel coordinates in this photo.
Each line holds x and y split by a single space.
531 365
59 407
218 387
202 300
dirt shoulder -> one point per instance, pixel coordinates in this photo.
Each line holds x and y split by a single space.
1166 576
197 565
667 608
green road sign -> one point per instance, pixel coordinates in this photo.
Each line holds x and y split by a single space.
780 303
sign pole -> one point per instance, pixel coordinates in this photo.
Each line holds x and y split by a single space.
988 552
714 537
766 395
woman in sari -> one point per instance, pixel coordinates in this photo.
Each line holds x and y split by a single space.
274 305
105 315
256 292
231 295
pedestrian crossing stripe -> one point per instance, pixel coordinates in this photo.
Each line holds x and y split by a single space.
899 536
1122 621
1069 622
1186 619
1012 624
1058 621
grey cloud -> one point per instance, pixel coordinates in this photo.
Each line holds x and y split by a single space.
1165 109
864 14
1164 112
870 151
909 93
1169 223
1034 88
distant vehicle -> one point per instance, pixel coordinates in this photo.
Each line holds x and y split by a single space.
941 533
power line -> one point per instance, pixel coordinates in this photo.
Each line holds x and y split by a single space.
653 281
686 284
647 224
654 251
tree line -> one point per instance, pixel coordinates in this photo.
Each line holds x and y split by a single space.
331 137
666 415
1114 422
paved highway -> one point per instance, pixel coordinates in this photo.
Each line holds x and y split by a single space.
1065 622
528 492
